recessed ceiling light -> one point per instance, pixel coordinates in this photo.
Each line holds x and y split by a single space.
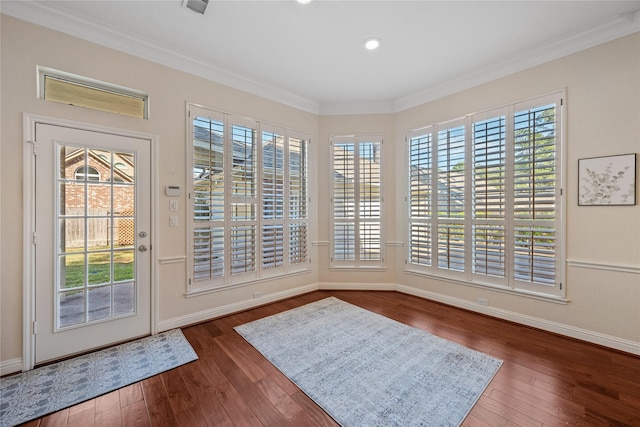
303 1
372 43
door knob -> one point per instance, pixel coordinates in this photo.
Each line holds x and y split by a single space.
142 248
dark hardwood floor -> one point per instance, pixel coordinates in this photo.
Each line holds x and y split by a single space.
546 380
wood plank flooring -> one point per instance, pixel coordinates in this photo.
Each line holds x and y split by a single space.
546 380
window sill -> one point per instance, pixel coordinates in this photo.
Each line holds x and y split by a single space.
357 268
511 291
227 286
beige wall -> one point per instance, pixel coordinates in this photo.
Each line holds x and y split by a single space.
24 46
603 88
603 118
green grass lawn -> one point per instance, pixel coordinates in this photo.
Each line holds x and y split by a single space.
98 268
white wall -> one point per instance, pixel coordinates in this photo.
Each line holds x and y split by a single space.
603 87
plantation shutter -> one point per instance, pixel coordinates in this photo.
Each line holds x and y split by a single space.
419 198
298 199
370 200
344 199
489 186
536 193
273 198
244 201
357 201
208 198
484 198
450 180
248 193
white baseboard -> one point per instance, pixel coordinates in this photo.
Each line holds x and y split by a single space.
15 365
202 316
535 322
331 286
10 366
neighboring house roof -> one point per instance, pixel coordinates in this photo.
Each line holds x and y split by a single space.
122 174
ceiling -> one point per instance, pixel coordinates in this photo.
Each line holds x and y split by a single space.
312 56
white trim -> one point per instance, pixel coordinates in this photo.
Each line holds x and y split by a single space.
396 244
491 286
225 287
172 260
615 28
48 16
620 268
97 32
15 365
77 80
28 267
225 310
29 122
593 337
352 286
11 366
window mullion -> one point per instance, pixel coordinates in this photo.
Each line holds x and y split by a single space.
228 166
356 201
509 202
468 200
435 156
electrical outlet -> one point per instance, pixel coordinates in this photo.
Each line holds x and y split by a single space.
482 301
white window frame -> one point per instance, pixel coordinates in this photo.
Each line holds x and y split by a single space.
358 261
120 92
423 260
257 271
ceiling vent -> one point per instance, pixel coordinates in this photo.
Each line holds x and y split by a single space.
197 5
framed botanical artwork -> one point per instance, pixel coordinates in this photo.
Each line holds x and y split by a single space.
607 181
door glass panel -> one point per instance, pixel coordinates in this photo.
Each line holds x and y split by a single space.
71 198
123 265
71 269
98 199
123 200
71 308
71 159
100 161
99 303
72 229
99 267
96 235
123 167
123 298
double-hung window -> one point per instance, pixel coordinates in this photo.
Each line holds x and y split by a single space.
248 199
356 216
484 198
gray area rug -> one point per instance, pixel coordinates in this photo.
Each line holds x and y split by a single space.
365 369
50 388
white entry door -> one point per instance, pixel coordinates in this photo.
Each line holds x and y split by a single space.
92 240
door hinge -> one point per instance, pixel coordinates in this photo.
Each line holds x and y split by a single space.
35 327
34 148
34 238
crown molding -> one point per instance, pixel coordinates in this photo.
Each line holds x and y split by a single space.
621 26
40 13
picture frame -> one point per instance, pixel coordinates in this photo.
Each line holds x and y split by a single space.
607 180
